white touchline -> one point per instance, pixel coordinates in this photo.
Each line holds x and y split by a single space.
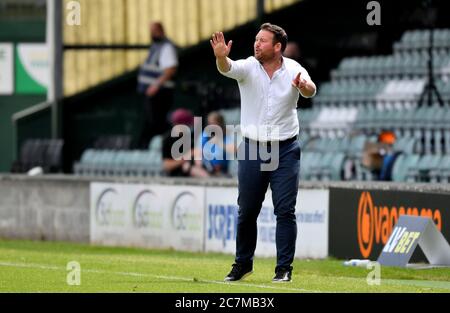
50 267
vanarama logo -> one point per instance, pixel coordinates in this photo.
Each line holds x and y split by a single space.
375 222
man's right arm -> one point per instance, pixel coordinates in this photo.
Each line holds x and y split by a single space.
221 51
227 67
223 64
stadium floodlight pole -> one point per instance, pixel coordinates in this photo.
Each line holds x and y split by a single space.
54 44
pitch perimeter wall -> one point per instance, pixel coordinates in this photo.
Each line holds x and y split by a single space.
339 219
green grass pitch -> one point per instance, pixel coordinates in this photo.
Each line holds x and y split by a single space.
27 266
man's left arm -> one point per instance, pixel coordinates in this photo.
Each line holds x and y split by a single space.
304 85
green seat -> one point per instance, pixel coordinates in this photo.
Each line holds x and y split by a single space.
307 163
320 169
357 145
156 143
337 165
444 169
406 145
402 165
420 172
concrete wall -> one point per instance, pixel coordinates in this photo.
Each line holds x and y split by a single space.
44 209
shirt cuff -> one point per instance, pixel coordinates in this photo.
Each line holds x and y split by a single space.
315 91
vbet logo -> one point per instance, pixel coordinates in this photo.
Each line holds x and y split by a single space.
375 223
401 241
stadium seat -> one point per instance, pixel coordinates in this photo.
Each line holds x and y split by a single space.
156 143
45 153
402 165
337 166
441 172
421 172
113 142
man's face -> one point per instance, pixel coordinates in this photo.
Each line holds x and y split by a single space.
264 48
156 32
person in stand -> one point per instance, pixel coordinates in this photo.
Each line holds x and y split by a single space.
185 166
156 83
213 153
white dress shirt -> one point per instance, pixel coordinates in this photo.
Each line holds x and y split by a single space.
268 106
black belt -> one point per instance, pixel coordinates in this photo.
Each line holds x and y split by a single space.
269 143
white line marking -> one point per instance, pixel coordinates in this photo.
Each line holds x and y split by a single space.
50 267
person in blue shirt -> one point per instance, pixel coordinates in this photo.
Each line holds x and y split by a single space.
215 149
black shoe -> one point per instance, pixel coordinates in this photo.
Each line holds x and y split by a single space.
239 271
283 275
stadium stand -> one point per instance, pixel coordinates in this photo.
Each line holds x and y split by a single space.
118 142
45 153
369 94
98 162
365 96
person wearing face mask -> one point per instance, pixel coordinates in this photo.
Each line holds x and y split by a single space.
156 83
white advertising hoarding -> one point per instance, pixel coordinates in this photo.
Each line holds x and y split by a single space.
146 205
32 68
312 223
109 216
191 218
186 217
154 216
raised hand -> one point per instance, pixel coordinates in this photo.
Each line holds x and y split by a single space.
299 82
221 49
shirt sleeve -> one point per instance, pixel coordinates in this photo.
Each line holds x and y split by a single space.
304 75
168 57
238 70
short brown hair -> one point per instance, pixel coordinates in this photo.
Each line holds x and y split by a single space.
279 34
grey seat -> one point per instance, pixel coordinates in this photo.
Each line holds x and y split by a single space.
420 172
441 173
402 164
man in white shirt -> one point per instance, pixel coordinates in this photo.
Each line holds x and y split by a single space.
156 83
270 85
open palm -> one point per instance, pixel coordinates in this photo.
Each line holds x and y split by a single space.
221 49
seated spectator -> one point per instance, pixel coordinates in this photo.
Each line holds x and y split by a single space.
379 156
184 167
389 155
214 151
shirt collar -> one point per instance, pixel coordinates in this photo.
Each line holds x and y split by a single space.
282 68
